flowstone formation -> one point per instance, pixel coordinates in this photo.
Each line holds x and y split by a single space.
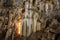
29 20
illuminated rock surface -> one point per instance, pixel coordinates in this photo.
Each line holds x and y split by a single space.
29 20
